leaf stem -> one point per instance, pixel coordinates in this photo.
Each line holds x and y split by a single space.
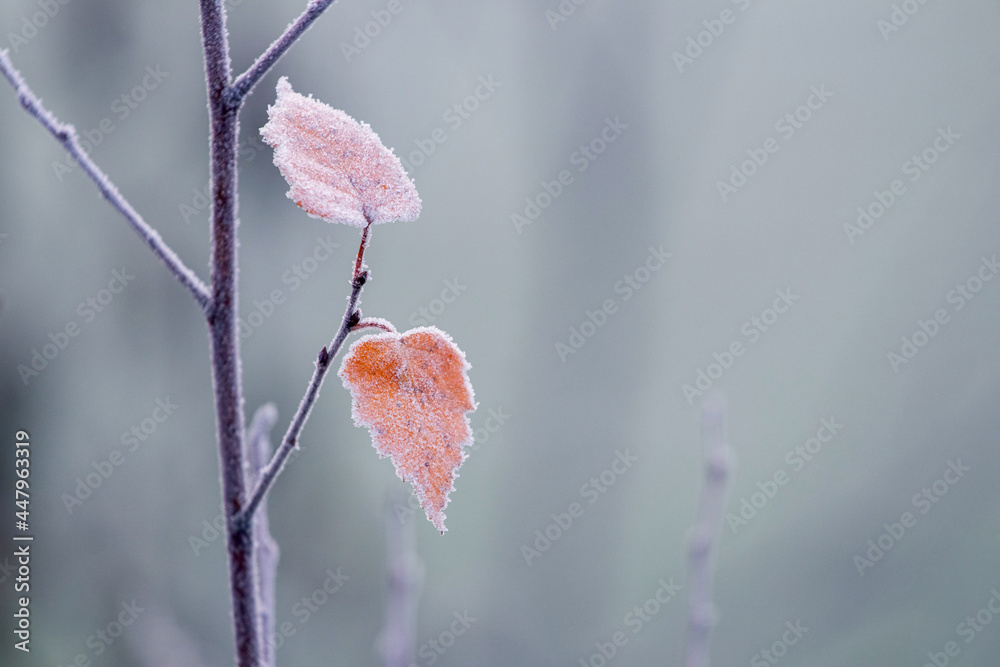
374 323
359 263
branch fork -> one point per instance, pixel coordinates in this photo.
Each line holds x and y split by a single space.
218 302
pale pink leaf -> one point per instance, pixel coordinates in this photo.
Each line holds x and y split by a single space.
337 168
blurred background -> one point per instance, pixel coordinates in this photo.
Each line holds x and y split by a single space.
625 204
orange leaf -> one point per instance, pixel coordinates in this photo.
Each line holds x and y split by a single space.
337 167
412 392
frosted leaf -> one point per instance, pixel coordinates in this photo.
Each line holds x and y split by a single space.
412 392
337 168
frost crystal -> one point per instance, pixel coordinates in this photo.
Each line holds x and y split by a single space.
337 167
412 392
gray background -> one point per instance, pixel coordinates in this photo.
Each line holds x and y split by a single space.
656 185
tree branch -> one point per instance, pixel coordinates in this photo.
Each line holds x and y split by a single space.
226 373
326 355
66 135
246 81
702 545
352 317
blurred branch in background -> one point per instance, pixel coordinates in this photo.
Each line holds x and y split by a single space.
397 643
267 552
702 541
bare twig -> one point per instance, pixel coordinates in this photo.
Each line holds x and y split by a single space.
326 355
224 118
246 81
351 319
397 643
225 98
702 545
219 303
267 551
66 135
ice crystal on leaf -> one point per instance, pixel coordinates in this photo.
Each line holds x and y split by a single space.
337 168
412 392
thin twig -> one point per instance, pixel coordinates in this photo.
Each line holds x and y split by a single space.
246 81
66 135
702 545
326 355
351 319
267 551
